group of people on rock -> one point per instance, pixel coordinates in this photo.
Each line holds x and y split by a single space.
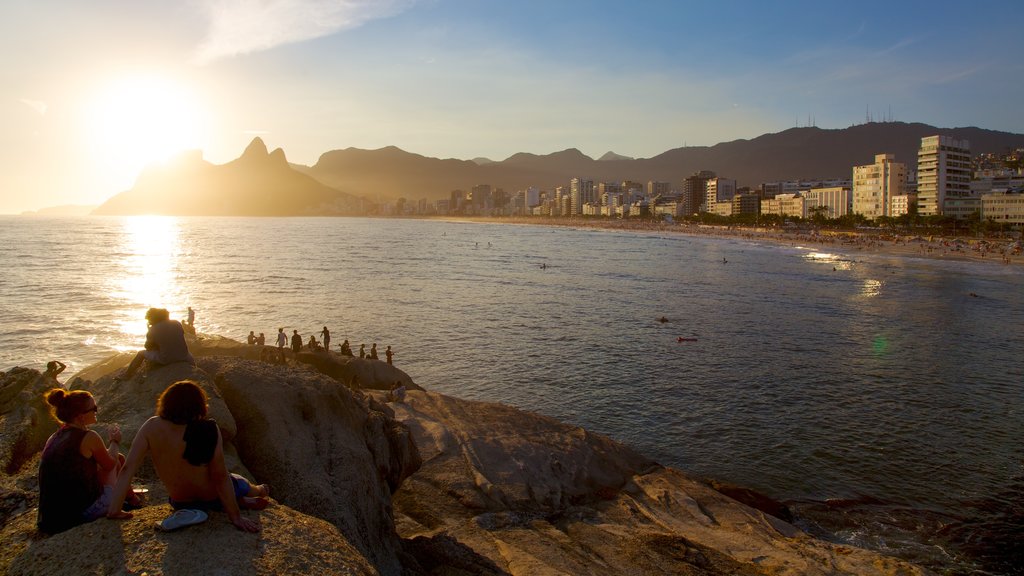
83 477
296 343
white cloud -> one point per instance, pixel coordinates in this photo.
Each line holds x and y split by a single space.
244 26
38 105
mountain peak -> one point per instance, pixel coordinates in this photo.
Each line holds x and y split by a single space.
608 156
256 148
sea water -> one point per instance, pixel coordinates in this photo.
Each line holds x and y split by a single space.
882 397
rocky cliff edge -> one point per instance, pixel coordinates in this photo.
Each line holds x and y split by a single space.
435 485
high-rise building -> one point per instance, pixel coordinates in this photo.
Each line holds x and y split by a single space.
581 191
719 190
694 192
875 185
943 171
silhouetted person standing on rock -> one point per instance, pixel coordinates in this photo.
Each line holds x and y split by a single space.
282 338
362 350
388 354
325 335
296 341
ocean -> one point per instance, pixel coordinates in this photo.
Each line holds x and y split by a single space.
881 397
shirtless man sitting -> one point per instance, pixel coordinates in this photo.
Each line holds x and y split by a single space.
188 454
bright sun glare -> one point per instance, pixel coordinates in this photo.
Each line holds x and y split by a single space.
137 120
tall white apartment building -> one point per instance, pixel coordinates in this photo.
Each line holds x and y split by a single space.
943 171
875 185
718 190
581 191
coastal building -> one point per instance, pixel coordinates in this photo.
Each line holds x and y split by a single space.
746 203
785 205
832 202
658 188
875 185
986 181
719 190
962 207
773 189
903 204
694 192
1004 207
943 172
581 191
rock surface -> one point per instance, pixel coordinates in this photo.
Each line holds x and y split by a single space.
436 485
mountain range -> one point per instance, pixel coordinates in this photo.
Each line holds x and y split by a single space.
260 183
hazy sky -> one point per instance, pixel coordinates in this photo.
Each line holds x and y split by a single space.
92 91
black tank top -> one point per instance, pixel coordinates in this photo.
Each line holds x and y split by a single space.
68 482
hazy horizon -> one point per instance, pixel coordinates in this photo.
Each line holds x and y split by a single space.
98 91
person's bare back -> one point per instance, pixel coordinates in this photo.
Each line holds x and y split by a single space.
184 482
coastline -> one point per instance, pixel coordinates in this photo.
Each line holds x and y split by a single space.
846 242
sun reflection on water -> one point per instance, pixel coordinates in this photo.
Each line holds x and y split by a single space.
148 259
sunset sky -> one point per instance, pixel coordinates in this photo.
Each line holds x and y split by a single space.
93 91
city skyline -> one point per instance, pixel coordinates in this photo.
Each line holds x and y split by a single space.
99 91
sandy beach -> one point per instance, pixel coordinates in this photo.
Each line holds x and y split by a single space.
1004 251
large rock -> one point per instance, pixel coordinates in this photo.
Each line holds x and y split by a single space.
25 421
528 495
289 543
321 449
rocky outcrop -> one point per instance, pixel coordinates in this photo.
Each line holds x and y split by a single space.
436 485
530 495
289 543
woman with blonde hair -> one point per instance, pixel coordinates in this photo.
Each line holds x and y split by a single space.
77 471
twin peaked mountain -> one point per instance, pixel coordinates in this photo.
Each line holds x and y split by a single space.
262 183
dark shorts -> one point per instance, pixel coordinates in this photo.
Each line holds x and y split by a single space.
240 485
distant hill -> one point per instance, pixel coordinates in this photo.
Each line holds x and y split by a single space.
797 153
263 184
65 210
256 184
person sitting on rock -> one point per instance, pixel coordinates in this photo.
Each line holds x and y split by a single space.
397 392
261 340
313 344
187 451
346 348
251 339
373 352
77 470
53 369
165 343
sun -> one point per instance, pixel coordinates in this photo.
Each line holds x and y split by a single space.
140 119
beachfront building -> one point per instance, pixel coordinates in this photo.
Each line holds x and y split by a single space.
785 205
902 204
694 192
832 202
1004 207
581 191
875 185
943 172
746 203
986 181
719 190
962 207
773 189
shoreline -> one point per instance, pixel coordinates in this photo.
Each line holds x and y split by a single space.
849 242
